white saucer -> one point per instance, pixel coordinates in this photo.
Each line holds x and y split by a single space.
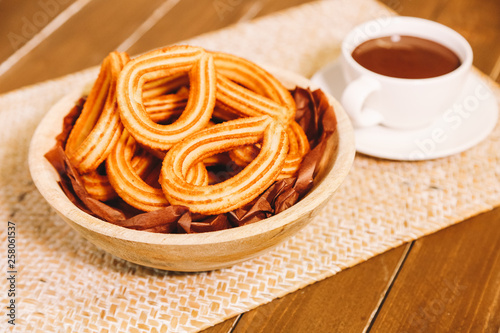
464 124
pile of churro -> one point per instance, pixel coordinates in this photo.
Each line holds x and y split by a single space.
154 128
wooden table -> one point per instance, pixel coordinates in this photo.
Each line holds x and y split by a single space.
448 281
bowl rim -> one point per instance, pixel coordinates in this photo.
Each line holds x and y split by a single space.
43 175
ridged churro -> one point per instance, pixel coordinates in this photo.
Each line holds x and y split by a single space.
157 121
98 186
164 85
127 180
242 102
241 188
256 79
165 107
299 147
98 127
154 65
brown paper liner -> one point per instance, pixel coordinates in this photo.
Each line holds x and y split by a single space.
314 114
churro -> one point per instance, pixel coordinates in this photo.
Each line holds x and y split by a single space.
154 65
256 79
241 188
157 121
298 148
98 127
126 169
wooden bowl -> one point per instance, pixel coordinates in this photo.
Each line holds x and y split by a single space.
193 252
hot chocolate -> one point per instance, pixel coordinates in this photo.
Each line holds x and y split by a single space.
406 57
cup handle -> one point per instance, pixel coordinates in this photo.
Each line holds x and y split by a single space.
353 99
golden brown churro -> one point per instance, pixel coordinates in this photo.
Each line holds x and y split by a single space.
160 107
164 85
126 178
238 190
299 147
98 128
256 79
166 107
242 102
98 186
157 64
127 182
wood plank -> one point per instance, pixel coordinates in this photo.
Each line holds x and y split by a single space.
190 18
495 73
21 20
479 24
83 41
450 282
271 6
91 40
187 19
342 303
425 8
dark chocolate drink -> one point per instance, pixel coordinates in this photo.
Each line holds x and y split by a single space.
406 57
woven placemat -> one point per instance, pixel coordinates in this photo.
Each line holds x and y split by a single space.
65 283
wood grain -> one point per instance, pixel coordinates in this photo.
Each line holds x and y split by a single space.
450 282
22 20
91 40
271 6
83 41
344 303
188 19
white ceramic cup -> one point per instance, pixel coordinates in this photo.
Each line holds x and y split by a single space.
373 99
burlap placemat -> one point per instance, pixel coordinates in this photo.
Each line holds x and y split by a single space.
64 283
